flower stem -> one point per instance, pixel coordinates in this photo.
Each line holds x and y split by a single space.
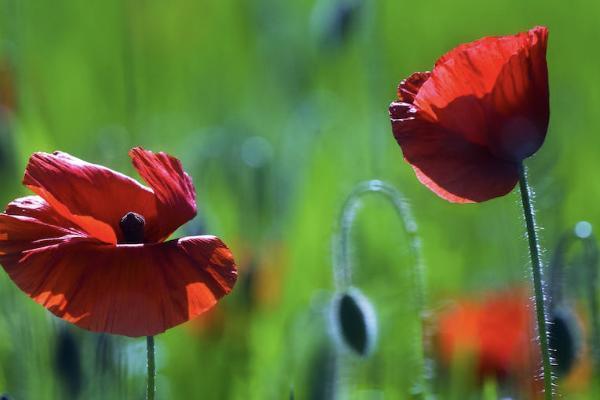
538 286
151 368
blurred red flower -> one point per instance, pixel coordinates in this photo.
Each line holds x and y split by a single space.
466 126
493 336
495 333
90 246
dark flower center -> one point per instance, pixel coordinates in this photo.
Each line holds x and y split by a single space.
132 227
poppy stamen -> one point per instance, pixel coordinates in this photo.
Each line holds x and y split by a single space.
132 227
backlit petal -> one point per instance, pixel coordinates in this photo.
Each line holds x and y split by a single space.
37 208
173 187
493 92
90 196
133 290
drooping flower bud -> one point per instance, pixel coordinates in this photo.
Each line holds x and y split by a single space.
565 340
354 323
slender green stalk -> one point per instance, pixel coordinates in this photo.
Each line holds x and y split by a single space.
151 388
538 287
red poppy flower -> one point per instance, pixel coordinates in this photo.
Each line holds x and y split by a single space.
495 332
466 126
494 336
90 246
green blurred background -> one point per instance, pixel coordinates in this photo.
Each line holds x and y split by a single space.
277 110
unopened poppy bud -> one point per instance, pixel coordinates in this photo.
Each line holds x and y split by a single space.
132 227
353 322
565 340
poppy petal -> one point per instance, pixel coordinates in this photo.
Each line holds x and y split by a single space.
173 187
452 167
37 208
493 92
91 196
409 87
133 290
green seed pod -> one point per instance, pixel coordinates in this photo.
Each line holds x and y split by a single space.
353 322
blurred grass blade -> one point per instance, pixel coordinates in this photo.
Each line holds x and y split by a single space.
67 363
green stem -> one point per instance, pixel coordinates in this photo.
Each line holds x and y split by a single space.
536 270
151 388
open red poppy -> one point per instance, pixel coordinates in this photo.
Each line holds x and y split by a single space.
90 245
466 126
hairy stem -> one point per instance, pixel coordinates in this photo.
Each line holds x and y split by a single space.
151 388
538 285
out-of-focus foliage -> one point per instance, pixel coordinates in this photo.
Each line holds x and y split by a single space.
277 109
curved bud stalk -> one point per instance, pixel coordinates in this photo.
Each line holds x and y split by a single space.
582 233
352 315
